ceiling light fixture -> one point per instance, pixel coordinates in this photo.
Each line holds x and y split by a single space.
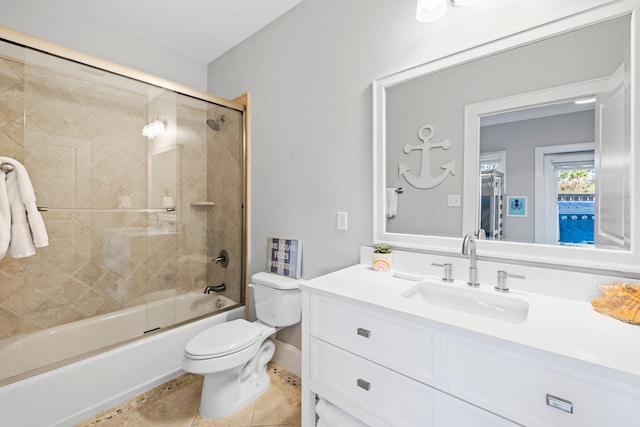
432 10
585 101
463 3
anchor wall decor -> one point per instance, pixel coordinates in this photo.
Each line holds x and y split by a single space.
425 180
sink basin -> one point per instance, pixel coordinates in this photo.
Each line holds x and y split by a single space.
470 300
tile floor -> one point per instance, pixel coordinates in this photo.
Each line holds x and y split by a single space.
175 403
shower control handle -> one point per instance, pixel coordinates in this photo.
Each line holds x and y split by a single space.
222 259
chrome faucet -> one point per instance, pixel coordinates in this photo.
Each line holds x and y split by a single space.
469 248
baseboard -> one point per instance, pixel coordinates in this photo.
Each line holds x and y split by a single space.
288 357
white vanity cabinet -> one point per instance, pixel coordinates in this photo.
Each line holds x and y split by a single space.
389 369
453 412
393 398
382 338
531 391
371 359
378 368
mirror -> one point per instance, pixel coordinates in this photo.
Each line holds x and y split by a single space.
503 117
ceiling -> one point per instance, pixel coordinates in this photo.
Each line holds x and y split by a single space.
200 29
538 111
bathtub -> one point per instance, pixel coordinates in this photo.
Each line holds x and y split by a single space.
77 391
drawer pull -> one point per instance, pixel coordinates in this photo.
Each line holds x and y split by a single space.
364 333
364 384
558 403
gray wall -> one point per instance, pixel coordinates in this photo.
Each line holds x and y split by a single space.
310 75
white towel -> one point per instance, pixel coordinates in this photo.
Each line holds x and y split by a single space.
332 416
27 230
5 217
392 202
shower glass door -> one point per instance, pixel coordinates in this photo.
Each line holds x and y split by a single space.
138 193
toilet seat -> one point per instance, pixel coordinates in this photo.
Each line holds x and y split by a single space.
223 339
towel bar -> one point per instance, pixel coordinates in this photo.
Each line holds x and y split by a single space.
47 209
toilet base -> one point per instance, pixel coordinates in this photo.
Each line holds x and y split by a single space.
220 406
223 393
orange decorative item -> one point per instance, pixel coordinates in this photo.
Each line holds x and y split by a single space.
620 301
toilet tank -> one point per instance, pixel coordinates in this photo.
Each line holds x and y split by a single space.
278 299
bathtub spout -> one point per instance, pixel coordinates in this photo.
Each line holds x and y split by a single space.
219 288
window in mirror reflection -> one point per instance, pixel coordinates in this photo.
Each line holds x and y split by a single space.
567 194
576 195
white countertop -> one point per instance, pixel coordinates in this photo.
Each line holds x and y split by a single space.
558 326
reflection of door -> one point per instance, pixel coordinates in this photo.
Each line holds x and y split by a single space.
549 161
612 206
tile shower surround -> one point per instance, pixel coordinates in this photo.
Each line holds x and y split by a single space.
82 145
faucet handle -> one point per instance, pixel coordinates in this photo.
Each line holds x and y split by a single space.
447 271
501 285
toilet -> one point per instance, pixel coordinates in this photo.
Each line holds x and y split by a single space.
233 356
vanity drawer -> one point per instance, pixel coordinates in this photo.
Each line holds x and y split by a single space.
532 392
458 413
385 394
402 346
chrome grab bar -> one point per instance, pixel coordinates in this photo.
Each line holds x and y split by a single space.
47 209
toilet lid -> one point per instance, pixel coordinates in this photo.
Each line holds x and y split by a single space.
223 339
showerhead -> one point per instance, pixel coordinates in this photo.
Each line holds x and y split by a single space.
215 124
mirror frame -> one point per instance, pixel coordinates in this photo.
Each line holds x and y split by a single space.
626 261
